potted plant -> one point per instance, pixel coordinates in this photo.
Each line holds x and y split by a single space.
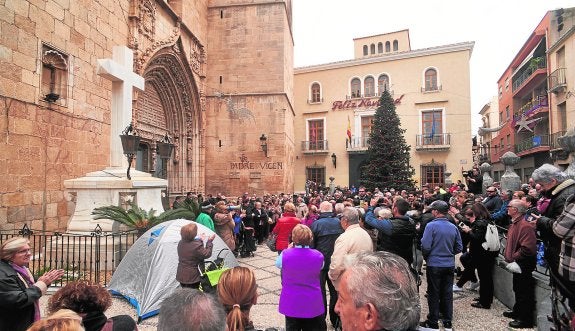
138 219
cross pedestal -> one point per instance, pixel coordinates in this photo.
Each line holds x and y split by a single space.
109 186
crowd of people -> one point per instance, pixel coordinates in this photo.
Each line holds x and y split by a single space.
366 248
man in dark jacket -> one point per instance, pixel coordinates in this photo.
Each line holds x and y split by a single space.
326 229
493 201
397 234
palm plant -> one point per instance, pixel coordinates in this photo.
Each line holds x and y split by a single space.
138 218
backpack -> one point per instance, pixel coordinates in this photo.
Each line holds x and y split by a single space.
491 243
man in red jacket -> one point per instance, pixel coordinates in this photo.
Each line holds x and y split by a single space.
521 249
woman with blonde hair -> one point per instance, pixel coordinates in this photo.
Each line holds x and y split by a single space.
62 320
301 267
19 292
224 224
237 291
285 226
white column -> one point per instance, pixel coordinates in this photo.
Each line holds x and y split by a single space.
119 71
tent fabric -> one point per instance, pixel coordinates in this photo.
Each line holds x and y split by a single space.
147 273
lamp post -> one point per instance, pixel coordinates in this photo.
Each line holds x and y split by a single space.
264 144
165 148
334 160
130 143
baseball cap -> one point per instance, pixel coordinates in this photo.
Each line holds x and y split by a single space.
439 205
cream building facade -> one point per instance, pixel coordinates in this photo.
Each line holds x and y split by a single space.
431 89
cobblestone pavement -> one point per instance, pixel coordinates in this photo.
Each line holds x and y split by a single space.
265 313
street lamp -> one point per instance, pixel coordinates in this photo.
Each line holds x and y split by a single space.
264 144
334 160
130 143
165 148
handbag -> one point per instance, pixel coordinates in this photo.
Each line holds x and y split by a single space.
271 242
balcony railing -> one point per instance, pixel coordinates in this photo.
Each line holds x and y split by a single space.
557 79
314 101
535 64
440 141
431 88
532 142
531 107
314 146
553 139
357 144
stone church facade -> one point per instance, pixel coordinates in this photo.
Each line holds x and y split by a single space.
218 77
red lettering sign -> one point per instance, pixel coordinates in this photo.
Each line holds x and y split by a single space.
360 103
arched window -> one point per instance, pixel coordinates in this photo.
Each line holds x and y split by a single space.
395 45
430 80
372 48
364 50
355 88
387 47
315 93
369 87
380 47
382 83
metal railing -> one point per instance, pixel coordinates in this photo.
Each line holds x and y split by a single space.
431 88
357 143
557 79
543 270
314 146
531 106
532 142
430 140
535 64
553 139
93 257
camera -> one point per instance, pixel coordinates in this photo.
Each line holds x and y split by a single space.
234 208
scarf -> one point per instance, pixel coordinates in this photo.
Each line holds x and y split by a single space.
26 276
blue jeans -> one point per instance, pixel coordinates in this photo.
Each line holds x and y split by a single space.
440 293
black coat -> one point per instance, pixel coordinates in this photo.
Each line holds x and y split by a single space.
16 300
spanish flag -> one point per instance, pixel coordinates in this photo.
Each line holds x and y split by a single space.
348 129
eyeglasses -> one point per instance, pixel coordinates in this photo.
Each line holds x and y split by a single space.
24 251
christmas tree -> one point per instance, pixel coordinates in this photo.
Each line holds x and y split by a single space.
387 163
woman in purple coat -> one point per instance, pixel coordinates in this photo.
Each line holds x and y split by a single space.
301 300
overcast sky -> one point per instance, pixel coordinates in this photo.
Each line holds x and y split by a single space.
324 31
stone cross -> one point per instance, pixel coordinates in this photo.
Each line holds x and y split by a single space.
119 71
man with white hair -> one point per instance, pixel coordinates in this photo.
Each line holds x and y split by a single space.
557 187
326 229
354 240
377 292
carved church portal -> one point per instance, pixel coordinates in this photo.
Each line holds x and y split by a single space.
170 104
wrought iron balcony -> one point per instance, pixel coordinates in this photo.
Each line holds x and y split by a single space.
535 64
435 142
357 144
553 140
314 146
431 88
531 107
314 101
557 80
531 143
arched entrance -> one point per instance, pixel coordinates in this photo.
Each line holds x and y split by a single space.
170 104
